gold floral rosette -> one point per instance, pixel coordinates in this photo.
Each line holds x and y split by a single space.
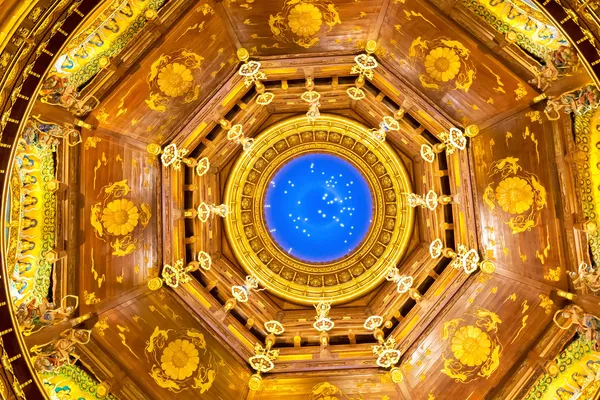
180 360
171 80
301 22
474 349
115 218
446 64
517 196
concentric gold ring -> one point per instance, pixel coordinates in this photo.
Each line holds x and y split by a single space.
340 280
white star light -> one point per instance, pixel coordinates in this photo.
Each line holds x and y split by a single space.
330 183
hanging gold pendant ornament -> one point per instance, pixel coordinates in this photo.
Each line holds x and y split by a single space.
205 211
365 64
262 360
252 74
241 293
463 258
323 323
388 124
312 98
453 140
235 133
387 355
431 200
403 282
176 274
172 156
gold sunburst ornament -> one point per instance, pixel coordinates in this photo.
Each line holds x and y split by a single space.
442 64
180 359
175 80
471 346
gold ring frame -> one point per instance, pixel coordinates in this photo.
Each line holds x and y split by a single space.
340 280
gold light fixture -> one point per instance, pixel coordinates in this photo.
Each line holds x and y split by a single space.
453 140
388 124
173 157
312 98
262 360
464 258
387 355
323 323
365 64
430 200
241 293
252 74
205 211
403 282
235 133
176 274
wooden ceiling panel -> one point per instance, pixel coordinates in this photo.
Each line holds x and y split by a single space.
519 209
173 80
446 65
120 218
140 333
290 26
466 353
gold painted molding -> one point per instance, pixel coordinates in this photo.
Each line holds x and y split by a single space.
340 280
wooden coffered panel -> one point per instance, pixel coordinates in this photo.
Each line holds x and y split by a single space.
143 333
523 234
505 316
120 216
448 66
172 81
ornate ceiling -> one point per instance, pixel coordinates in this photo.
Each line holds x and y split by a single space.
147 253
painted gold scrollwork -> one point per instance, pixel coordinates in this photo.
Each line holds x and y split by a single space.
516 193
171 80
474 349
446 64
303 21
181 360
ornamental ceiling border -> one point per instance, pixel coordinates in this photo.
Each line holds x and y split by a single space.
341 280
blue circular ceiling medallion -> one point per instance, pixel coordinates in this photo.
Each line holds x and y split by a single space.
318 208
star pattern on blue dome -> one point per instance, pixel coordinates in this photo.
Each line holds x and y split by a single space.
318 207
